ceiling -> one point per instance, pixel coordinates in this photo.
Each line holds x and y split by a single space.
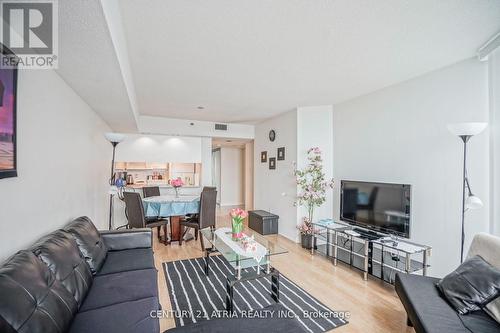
245 61
89 64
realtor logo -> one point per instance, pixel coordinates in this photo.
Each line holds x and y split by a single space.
29 30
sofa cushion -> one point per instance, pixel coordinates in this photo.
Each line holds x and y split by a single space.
128 317
89 242
33 300
429 312
121 287
127 260
60 253
471 286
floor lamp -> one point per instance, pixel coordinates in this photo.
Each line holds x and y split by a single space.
115 139
469 201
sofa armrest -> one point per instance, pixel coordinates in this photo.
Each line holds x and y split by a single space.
116 240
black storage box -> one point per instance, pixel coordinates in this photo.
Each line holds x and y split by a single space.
263 222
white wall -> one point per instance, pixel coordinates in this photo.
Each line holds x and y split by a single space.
275 190
314 129
63 163
249 157
399 135
160 148
494 81
232 178
206 160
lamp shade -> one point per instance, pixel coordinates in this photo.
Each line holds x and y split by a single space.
473 202
468 129
114 137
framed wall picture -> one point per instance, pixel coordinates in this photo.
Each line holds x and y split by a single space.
263 157
272 163
281 154
8 92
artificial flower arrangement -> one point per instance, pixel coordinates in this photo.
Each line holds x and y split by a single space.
238 215
176 184
313 186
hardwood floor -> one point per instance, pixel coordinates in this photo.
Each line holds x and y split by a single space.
373 304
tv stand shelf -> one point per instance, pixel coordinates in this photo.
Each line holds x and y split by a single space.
376 254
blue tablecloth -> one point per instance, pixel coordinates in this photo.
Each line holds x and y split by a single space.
168 205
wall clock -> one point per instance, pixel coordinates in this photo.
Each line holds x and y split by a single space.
272 135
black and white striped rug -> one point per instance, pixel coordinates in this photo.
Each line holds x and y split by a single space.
196 297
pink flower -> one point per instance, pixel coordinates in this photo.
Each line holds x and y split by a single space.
238 213
176 182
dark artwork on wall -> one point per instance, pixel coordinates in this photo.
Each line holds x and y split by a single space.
272 163
263 157
281 154
8 87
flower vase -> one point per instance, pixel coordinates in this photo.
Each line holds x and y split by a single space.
176 192
237 230
307 241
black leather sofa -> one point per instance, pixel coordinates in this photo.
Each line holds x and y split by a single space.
80 280
429 312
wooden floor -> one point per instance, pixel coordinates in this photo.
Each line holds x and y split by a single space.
373 304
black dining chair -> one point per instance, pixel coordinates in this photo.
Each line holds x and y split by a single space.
151 191
205 218
209 188
134 210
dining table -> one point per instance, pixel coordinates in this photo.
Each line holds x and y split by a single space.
174 207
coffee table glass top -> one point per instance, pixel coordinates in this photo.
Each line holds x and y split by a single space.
233 257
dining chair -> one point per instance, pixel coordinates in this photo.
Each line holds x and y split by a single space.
205 218
209 188
205 188
134 210
151 191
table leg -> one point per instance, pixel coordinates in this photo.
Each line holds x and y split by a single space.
175 228
327 243
229 295
275 286
335 249
238 268
207 262
365 273
424 268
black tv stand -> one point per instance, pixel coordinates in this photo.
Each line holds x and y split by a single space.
371 235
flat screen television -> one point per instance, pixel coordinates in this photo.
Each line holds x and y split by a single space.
381 207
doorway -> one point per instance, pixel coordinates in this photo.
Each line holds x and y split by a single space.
232 172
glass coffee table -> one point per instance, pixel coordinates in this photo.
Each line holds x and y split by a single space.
240 261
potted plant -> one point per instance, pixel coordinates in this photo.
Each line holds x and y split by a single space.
176 183
238 215
313 185
306 233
